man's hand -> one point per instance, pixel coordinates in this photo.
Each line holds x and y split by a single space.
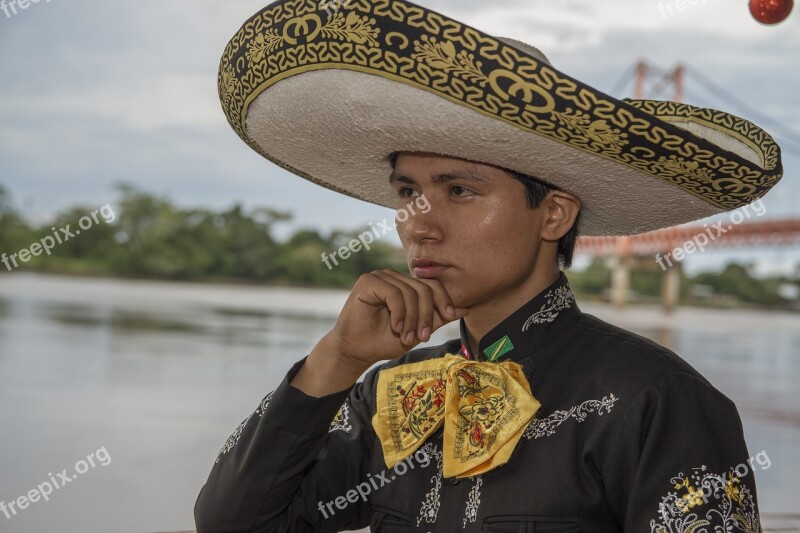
385 316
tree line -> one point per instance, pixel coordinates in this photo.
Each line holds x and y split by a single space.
152 238
149 237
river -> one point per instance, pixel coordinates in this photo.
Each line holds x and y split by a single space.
133 387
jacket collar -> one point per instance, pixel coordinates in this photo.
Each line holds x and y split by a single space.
529 327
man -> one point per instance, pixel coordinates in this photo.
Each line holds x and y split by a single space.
539 417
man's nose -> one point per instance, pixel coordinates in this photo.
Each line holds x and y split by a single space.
418 225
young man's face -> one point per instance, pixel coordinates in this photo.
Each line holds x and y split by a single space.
478 225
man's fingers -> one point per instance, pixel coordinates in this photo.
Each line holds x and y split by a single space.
412 306
439 321
378 292
425 299
416 307
441 298
445 310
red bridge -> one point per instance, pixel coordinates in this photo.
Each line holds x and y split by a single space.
672 245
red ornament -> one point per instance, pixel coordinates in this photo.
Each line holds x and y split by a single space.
771 11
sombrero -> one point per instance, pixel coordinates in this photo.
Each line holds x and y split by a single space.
329 90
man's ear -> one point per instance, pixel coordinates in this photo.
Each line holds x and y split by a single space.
560 209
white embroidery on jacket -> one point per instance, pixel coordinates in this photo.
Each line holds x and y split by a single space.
341 421
262 407
233 440
562 299
711 502
429 508
543 427
473 502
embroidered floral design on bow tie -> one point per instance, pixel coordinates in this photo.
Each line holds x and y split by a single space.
480 423
483 411
483 406
557 300
707 501
422 405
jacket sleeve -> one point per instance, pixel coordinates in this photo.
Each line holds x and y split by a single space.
293 465
678 461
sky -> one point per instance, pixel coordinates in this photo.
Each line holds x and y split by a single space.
95 93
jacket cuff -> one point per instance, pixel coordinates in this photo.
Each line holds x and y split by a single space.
307 415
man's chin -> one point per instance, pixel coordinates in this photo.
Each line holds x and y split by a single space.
457 292
457 289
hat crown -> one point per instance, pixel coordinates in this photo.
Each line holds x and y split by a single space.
527 48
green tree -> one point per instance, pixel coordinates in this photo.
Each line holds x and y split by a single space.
86 250
14 232
737 280
594 280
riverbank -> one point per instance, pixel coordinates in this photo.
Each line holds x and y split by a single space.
327 303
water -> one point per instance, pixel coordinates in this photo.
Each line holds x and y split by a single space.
153 377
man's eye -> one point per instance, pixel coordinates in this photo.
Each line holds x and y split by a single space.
403 190
458 188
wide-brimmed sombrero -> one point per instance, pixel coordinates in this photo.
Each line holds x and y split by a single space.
327 90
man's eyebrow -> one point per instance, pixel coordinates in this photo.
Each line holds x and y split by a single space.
441 178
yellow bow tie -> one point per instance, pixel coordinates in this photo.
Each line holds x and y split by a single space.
484 406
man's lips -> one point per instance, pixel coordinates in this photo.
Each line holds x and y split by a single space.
428 271
426 268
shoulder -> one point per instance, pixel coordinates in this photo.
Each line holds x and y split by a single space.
621 351
658 395
630 365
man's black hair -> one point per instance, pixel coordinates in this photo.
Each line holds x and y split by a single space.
537 191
